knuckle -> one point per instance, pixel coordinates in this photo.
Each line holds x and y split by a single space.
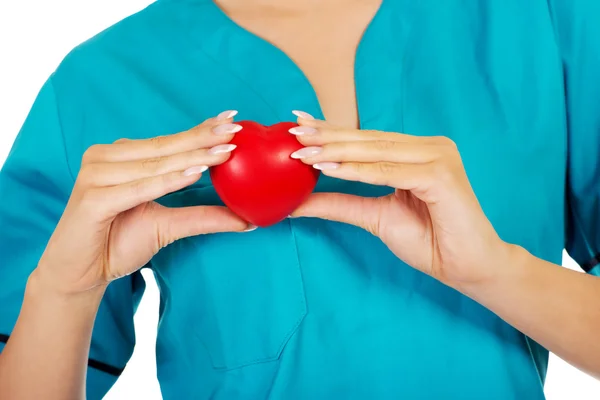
200 128
386 169
92 153
86 175
446 141
90 199
374 134
379 173
153 164
359 168
169 181
385 145
157 142
137 188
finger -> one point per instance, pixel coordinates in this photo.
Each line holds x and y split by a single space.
372 151
315 132
109 174
355 210
210 133
178 223
399 176
123 197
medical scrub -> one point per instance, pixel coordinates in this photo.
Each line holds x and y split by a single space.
311 309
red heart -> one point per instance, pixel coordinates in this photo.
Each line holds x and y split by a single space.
260 182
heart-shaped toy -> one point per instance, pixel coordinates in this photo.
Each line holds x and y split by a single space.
260 182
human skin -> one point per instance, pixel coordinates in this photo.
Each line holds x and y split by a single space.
434 207
434 223
110 228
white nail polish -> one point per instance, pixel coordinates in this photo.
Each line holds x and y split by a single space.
306 152
302 130
326 166
227 129
303 115
195 170
222 148
250 228
226 115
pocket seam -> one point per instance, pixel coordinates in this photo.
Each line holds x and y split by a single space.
277 354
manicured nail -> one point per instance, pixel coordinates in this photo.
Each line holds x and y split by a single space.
302 130
326 165
195 170
306 152
222 148
226 115
250 228
303 115
227 129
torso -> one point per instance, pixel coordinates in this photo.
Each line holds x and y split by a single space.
321 38
310 309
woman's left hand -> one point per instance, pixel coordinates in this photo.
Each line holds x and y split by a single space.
432 221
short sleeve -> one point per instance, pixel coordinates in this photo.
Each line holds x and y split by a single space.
577 24
35 184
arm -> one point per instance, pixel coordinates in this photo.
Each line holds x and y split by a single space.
435 224
49 344
557 307
49 332
70 249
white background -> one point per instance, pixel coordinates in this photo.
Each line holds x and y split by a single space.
34 37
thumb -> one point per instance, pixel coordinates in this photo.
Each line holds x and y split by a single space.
350 209
178 223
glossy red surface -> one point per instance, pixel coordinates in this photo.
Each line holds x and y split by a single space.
260 182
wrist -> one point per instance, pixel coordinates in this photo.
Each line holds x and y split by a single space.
504 269
42 284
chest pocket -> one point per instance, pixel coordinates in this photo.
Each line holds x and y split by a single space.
242 293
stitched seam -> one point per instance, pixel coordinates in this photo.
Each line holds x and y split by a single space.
60 126
554 29
407 47
291 332
226 68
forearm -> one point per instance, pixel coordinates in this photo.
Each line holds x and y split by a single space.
46 356
557 307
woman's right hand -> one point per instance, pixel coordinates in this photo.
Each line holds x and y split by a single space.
112 226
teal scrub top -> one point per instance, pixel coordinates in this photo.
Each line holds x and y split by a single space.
311 309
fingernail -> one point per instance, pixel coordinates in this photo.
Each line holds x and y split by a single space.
326 165
302 114
306 152
195 170
302 130
250 228
226 115
222 148
227 129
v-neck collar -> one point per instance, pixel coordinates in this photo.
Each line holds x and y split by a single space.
275 78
